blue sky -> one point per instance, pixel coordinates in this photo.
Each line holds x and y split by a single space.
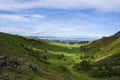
61 18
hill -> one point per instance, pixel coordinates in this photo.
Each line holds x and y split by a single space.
15 50
105 56
25 58
104 47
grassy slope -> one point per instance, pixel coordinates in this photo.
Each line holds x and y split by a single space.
13 45
106 51
112 56
105 47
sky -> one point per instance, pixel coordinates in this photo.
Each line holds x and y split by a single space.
60 18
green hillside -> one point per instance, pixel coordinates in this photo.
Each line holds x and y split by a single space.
103 48
105 56
25 58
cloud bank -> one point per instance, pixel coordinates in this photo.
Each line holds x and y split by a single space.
20 18
97 5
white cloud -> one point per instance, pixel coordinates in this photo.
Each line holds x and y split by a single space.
53 32
59 32
98 5
14 30
20 18
37 16
97 35
66 29
8 17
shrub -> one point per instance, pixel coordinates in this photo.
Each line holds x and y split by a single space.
45 51
63 68
85 65
45 57
105 72
61 56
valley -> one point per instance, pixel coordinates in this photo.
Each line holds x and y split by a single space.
26 58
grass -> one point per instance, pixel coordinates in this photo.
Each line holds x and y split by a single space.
13 45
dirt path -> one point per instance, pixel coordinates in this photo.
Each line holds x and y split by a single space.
101 58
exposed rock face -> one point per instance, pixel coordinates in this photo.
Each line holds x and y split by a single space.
16 65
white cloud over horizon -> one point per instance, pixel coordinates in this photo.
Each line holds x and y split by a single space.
60 32
20 18
97 5
14 30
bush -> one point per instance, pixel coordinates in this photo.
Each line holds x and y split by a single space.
63 68
61 56
45 57
85 65
45 51
105 72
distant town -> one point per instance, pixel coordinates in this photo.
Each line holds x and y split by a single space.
67 40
